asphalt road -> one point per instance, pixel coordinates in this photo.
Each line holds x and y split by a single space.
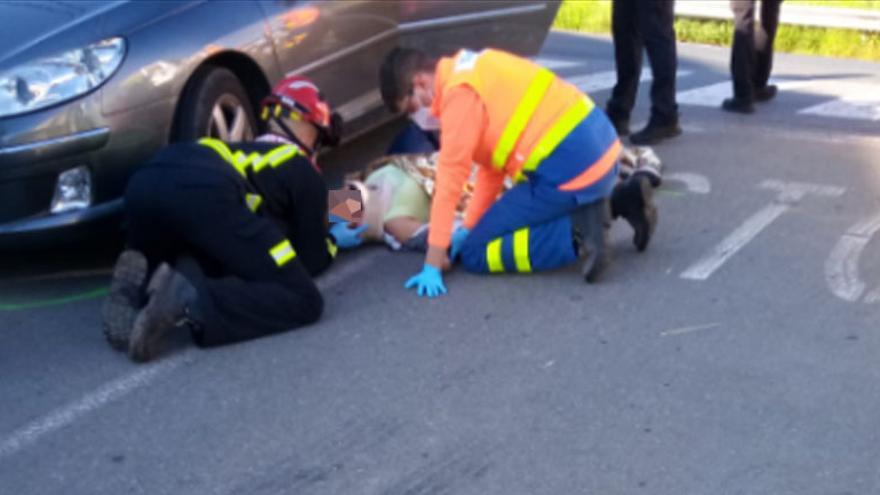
738 355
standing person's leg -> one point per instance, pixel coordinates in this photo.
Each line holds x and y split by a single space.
628 49
742 57
764 37
656 21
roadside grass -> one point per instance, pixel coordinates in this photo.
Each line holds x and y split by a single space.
594 16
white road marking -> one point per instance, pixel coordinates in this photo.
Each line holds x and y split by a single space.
589 83
713 94
694 183
557 63
789 193
145 374
851 106
842 266
690 329
66 415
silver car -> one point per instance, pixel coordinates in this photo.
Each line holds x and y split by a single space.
89 90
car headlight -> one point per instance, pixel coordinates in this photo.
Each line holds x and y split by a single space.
51 80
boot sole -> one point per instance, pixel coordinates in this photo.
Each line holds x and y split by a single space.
119 311
150 325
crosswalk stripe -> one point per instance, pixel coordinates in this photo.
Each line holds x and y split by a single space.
599 81
846 108
556 63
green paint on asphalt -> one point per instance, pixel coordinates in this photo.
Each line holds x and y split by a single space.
83 296
670 192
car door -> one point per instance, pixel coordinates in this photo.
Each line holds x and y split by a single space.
442 26
339 45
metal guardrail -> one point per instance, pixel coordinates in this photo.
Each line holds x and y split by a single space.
800 15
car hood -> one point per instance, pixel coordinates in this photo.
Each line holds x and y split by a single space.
36 29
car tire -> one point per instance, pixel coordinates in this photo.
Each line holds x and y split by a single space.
215 104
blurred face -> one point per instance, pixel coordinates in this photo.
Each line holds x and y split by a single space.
421 96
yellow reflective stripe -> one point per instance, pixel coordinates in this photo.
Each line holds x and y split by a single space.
253 201
221 149
332 248
282 252
282 153
561 128
493 256
520 118
521 250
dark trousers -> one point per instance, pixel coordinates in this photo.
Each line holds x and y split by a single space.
644 25
751 57
198 215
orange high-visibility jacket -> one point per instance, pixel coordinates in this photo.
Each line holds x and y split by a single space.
506 114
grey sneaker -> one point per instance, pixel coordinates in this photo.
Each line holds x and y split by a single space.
125 299
591 223
170 295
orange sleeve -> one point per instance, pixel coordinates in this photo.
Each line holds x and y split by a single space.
489 182
462 125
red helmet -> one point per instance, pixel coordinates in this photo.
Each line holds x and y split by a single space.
297 98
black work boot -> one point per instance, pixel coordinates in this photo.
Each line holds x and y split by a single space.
591 223
738 105
632 199
655 132
170 294
126 298
765 93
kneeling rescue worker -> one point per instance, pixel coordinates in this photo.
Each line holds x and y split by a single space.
230 233
512 117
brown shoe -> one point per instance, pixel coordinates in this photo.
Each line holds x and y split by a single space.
170 295
126 298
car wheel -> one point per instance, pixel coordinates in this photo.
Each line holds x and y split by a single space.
215 105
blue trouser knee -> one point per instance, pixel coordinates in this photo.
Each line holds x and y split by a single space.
529 227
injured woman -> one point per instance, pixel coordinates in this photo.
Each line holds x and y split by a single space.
395 193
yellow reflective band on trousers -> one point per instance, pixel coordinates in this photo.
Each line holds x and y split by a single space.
560 129
493 256
332 248
282 253
521 250
521 116
253 201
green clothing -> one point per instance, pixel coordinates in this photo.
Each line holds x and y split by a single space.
408 199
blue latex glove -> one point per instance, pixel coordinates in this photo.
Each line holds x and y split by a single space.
458 238
428 282
347 237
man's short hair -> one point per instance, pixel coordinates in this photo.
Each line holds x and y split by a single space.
397 71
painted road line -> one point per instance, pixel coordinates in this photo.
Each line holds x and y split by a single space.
589 83
695 183
861 107
146 374
713 94
689 329
842 266
556 63
789 194
32 432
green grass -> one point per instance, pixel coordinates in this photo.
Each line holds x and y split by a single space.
594 16
844 4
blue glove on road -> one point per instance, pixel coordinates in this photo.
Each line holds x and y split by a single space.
429 282
347 237
458 238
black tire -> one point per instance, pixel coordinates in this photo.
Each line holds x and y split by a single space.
211 86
